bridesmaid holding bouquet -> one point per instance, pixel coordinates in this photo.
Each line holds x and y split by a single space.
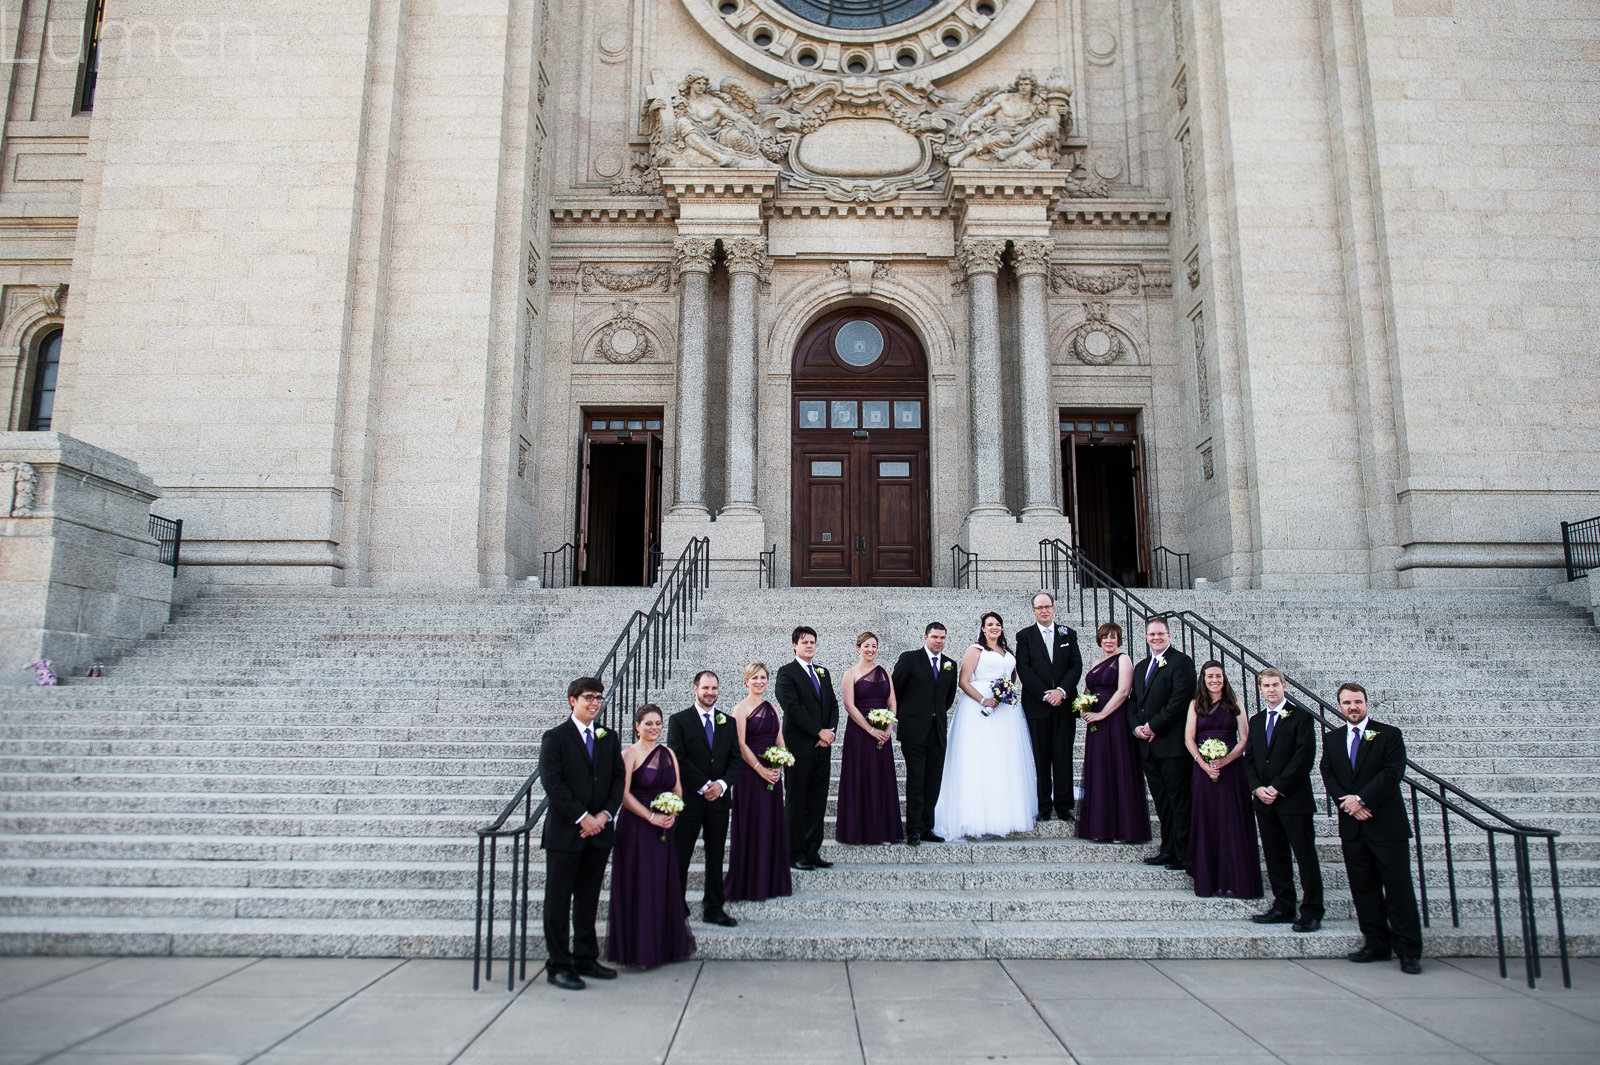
647 925
758 854
1223 858
1113 806
869 796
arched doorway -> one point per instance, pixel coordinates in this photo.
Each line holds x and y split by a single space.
860 453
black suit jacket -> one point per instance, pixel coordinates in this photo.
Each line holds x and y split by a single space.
1375 778
921 697
698 763
1286 763
1039 672
576 786
805 713
1163 704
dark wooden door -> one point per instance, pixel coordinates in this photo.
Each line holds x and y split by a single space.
860 513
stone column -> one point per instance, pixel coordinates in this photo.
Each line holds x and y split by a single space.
1039 418
745 256
691 258
980 263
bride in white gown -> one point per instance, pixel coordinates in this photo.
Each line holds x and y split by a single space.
989 785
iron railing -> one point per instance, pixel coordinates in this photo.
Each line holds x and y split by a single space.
1102 598
560 568
168 535
1168 566
963 567
640 659
767 572
1580 544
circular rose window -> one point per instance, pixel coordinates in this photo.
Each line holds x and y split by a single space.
857 14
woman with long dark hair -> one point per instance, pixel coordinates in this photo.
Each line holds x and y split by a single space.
1223 858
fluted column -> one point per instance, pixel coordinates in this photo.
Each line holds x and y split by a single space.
745 256
691 258
1031 260
980 263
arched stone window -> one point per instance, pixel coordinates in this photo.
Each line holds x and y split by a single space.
46 367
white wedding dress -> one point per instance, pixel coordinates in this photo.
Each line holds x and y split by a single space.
989 784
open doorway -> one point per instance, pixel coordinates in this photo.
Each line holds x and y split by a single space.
1102 465
619 499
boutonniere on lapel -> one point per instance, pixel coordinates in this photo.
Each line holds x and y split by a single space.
948 667
1161 661
600 733
1282 713
721 720
1369 735
820 671
1063 630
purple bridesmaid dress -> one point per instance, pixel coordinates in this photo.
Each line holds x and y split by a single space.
647 925
1223 858
1113 806
869 795
758 853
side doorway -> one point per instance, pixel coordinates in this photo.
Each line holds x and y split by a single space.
619 498
1102 469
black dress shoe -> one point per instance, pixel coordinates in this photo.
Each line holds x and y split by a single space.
1307 924
595 971
1412 966
820 862
722 919
565 979
1157 859
913 841
1366 954
1042 815
1272 916
803 864
932 837
1176 867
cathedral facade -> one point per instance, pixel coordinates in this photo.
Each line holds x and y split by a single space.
402 294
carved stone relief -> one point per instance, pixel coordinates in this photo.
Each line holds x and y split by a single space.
656 278
623 339
1095 284
18 481
1097 342
1202 381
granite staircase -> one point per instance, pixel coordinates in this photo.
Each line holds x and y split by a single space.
301 774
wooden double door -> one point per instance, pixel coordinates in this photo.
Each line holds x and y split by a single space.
860 509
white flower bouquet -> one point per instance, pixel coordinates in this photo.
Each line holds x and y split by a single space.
667 803
777 758
1085 702
1212 750
882 718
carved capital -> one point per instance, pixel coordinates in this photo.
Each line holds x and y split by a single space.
745 255
691 254
980 256
1032 256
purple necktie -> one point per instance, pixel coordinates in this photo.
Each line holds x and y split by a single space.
1355 745
710 732
588 743
1272 719
815 683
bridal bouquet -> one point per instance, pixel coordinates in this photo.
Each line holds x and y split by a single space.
777 758
667 803
1004 691
882 718
1084 702
1213 749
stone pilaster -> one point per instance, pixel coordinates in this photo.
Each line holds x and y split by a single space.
745 257
980 263
691 259
1039 420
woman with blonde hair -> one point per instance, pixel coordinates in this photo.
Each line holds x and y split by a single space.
758 853
869 795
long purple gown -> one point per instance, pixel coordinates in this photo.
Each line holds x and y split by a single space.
647 923
1223 858
869 795
758 853
1113 806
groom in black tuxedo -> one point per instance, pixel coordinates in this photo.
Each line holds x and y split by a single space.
1049 665
580 768
810 718
1278 755
1163 688
707 746
924 687
1362 765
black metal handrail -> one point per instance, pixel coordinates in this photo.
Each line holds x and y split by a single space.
1166 564
1192 632
1580 544
767 573
560 565
168 533
963 567
639 660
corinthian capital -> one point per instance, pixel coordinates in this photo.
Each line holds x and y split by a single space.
1032 256
980 256
691 254
745 255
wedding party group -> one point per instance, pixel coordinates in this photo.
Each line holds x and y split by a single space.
988 741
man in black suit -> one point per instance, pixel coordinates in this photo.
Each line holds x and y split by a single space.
1049 665
924 688
810 716
580 767
1278 756
707 746
1362 764
1163 688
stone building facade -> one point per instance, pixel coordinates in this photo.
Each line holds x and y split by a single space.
406 294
